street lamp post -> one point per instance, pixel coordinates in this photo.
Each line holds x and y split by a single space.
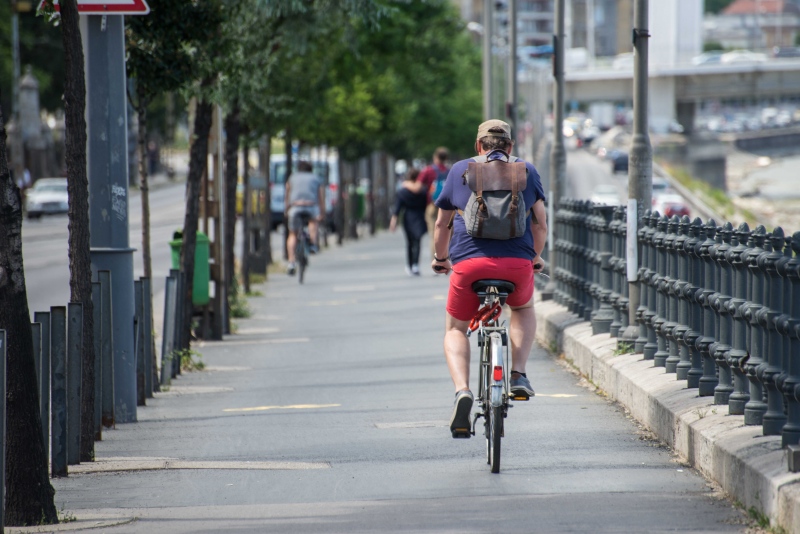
511 85
640 170
558 155
487 59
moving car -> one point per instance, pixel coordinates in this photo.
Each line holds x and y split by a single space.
47 196
618 159
670 204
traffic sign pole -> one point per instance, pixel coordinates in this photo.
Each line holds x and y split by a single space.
107 166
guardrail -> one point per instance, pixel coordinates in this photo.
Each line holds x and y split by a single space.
719 307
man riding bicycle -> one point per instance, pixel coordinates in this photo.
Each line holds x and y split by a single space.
471 259
305 196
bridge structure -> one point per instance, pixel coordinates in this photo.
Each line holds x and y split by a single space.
677 90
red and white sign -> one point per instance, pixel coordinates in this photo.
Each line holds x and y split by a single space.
109 7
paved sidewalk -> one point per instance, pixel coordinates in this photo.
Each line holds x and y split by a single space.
748 466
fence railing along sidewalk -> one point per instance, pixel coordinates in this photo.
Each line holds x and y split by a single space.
719 306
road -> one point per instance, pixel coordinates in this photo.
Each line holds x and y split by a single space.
328 412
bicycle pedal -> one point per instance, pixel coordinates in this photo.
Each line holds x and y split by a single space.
461 433
521 398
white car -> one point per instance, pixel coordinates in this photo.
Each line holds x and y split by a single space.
47 196
742 56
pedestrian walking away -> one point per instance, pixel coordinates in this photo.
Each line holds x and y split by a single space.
512 259
411 203
431 180
305 195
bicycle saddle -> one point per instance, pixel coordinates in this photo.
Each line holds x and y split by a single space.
503 286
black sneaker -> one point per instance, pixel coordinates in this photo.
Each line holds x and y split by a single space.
521 386
290 270
460 425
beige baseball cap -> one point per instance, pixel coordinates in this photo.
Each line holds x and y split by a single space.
494 128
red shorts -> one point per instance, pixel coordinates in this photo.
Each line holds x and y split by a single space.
462 302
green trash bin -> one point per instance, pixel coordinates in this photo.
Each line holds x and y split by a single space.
202 272
360 207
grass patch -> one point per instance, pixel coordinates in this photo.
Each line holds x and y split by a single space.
191 360
237 302
623 348
257 278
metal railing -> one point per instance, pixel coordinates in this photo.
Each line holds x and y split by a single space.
57 342
720 306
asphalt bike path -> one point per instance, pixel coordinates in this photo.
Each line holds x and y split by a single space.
328 411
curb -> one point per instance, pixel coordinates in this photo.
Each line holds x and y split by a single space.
85 520
749 467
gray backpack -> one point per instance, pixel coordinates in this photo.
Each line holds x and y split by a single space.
496 208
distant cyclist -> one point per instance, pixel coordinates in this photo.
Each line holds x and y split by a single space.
305 195
472 259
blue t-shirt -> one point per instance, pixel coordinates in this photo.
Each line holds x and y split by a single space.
463 246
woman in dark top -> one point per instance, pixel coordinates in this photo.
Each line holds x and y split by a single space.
413 207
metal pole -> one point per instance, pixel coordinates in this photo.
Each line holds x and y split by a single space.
74 372
511 85
640 170
487 59
558 155
107 166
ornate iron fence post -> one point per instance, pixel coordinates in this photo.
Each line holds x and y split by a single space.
644 283
614 265
587 269
681 286
683 363
671 274
696 314
737 356
660 281
706 250
724 320
755 407
790 435
601 319
774 418
651 278
557 270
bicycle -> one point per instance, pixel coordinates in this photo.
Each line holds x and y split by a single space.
494 377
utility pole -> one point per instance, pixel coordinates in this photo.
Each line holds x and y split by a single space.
487 59
558 155
511 85
640 170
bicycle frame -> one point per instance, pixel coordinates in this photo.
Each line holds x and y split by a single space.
494 364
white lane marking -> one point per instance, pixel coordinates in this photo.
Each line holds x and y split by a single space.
289 407
262 341
116 464
556 395
349 289
413 424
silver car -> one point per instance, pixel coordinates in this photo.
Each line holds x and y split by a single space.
47 196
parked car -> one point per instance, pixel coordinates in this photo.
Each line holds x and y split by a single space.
47 196
607 194
708 58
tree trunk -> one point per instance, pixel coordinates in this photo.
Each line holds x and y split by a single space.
265 157
245 262
29 495
232 133
288 149
144 189
198 156
80 260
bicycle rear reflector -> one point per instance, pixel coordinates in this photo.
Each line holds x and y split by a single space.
498 373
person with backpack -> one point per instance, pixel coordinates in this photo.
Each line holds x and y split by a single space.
431 179
491 224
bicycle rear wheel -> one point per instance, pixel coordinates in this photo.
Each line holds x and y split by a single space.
300 257
496 432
